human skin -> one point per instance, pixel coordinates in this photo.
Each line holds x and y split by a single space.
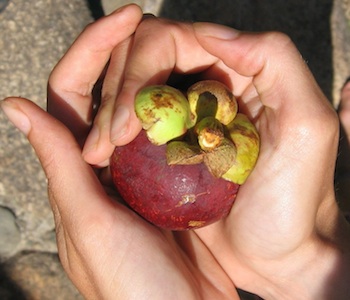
344 113
285 237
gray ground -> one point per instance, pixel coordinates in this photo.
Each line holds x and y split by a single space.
35 34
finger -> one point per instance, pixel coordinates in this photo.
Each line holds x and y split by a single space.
294 113
160 48
271 58
98 147
72 80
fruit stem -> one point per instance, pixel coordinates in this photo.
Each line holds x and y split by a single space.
210 133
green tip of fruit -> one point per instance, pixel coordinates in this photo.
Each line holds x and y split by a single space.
164 113
246 139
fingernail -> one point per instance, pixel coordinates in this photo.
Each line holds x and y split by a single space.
16 116
215 31
120 123
91 141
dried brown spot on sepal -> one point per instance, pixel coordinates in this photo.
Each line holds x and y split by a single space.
181 153
221 159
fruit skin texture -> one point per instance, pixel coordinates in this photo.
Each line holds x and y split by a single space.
171 197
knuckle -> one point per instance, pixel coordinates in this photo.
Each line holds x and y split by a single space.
322 127
277 37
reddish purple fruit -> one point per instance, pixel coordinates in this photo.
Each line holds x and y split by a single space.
184 169
174 197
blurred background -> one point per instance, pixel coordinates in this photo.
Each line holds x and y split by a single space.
33 37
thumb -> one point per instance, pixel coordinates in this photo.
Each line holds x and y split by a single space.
278 71
71 180
52 141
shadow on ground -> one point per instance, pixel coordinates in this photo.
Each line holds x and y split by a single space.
9 290
96 8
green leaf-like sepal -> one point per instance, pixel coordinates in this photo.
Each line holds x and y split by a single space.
246 139
164 113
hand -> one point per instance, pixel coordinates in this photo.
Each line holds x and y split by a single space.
285 215
107 250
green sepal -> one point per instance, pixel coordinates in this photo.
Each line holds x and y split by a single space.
245 136
164 113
